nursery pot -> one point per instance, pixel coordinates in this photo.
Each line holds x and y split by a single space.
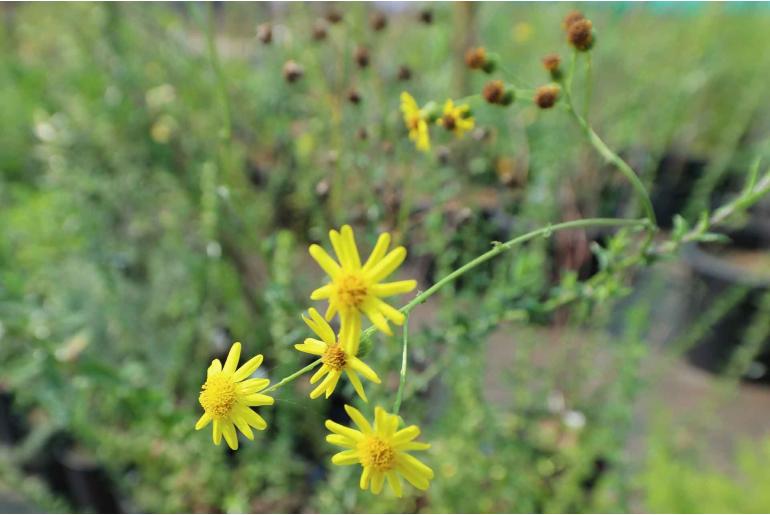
715 270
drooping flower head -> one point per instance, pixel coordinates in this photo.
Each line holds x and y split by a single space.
228 395
382 451
416 121
337 355
456 119
355 289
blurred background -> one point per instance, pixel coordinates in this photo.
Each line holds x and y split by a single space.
163 170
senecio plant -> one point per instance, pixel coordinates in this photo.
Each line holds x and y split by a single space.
356 289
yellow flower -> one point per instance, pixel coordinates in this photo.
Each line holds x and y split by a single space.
381 451
337 356
456 119
416 121
227 397
357 289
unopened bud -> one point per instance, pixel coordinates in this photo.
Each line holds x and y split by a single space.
546 96
378 21
581 35
319 30
404 73
333 15
265 33
362 57
354 97
571 18
552 64
495 92
292 71
426 16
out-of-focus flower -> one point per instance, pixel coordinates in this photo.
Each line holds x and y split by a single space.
456 119
265 33
416 121
495 92
292 71
522 32
580 35
546 96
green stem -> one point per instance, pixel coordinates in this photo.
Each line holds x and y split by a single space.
292 377
220 76
588 86
402 381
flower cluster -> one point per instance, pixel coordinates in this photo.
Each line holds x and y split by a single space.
355 291
457 119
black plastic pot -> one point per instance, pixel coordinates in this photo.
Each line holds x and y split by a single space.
712 276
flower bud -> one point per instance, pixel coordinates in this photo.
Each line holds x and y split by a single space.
319 30
581 35
426 16
265 33
552 64
404 73
495 92
478 59
354 97
362 134
378 21
546 96
292 71
571 18
362 57
333 16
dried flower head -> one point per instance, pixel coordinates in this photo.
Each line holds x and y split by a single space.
546 96
378 21
319 30
354 97
362 57
404 72
292 71
265 33
495 92
571 18
333 15
478 59
426 16
552 63
581 35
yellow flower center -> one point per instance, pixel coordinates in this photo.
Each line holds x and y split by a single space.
414 122
351 291
218 395
449 122
334 357
377 453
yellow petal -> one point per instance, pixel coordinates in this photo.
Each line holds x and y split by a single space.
232 358
257 399
410 462
377 319
333 384
395 482
311 346
252 418
389 311
243 426
378 478
323 385
358 419
361 367
349 244
228 431
344 431
247 368
394 288
405 435
387 265
340 440
324 292
340 250
331 310
215 368
380 248
349 457
365 476
203 421
322 327
318 373
325 261
216 434
416 480
250 386
350 334
357 386
412 446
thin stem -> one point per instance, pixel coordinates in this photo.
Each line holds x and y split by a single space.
588 86
402 381
616 160
292 377
220 76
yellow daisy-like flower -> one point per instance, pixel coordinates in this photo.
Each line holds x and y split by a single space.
337 356
381 450
416 121
227 397
456 119
356 288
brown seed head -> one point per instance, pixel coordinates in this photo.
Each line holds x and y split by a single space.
404 72
378 21
333 15
319 30
546 96
571 18
292 71
265 33
552 63
476 58
362 57
426 16
493 91
580 35
354 97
